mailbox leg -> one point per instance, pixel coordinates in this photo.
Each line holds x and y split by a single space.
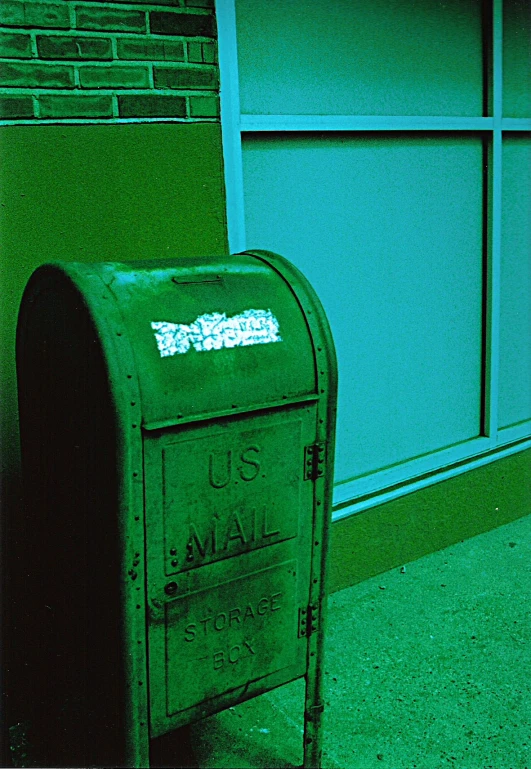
313 741
313 715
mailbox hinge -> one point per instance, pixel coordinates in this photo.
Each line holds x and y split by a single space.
308 620
314 461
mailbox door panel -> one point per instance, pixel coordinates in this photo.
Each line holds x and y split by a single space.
229 538
227 482
230 634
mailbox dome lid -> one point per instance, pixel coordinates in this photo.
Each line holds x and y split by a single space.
211 336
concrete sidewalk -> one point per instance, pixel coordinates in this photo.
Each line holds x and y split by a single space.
427 666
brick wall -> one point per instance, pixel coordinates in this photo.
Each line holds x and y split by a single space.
78 60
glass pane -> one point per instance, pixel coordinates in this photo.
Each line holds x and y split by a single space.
389 232
517 58
515 322
383 57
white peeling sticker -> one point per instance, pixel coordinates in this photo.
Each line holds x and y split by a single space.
215 331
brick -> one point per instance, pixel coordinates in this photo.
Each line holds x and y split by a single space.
66 47
195 53
185 24
152 105
13 107
107 18
75 106
200 3
30 75
186 78
12 14
173 3
14 46
152 50
18 14
43 15
204 106
202 53
209 53
114 77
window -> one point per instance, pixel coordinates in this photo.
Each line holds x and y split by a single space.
384 148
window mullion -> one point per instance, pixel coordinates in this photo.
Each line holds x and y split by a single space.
494 214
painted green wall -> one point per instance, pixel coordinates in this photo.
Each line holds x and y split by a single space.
93 193
407 528
96 193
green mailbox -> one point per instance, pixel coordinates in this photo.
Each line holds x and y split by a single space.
177 424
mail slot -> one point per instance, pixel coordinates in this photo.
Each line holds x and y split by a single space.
177 426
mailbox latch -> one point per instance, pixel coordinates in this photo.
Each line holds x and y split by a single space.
308 620
314 461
